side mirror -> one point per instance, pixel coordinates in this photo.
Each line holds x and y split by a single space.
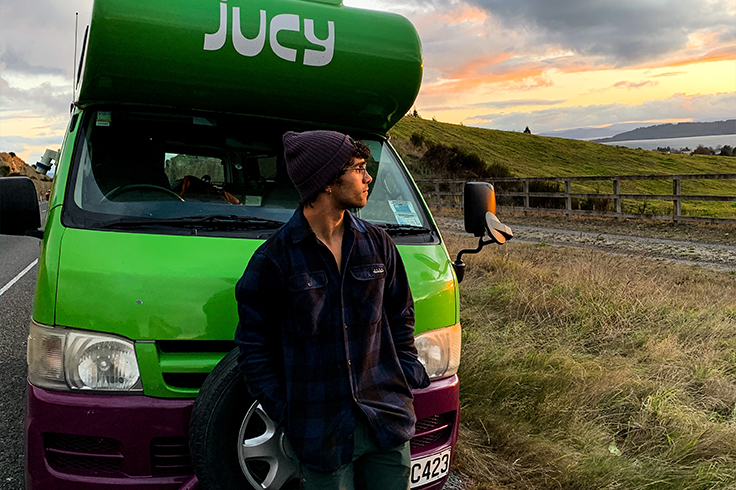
478 199
479 202
19 210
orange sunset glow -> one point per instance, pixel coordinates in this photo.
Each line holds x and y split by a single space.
553 66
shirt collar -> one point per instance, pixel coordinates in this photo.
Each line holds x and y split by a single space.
301 229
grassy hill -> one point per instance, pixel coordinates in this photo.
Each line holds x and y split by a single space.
528 155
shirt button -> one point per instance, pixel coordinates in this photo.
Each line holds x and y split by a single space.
346 326
349 362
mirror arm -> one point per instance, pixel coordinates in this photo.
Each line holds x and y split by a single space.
459 265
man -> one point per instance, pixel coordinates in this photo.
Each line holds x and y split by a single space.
326 330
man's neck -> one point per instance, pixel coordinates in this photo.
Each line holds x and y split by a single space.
328 223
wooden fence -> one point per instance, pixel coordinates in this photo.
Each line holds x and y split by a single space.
448 193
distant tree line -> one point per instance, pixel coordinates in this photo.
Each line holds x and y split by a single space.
724 151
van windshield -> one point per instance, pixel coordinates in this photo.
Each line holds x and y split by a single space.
221 175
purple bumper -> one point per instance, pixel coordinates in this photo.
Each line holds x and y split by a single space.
85 442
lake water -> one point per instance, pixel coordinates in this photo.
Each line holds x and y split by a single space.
712 141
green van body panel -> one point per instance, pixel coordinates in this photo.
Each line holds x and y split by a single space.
150 287
154 53
156 287
48 261
48 268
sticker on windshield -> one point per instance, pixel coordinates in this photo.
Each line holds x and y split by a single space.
404 213
104 118
253 200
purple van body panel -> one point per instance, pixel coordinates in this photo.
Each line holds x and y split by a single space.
132 422
441 397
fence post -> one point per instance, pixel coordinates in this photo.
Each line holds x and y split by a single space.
617 195
437 194
568 199
526 197
677 203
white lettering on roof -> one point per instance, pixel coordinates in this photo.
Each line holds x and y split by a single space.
282 22
244 46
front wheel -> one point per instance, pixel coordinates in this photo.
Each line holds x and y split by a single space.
233 443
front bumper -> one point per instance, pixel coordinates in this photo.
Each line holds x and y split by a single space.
78 441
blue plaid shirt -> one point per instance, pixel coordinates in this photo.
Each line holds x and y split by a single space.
317 343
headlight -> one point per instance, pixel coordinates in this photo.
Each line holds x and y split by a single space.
63 358
439 351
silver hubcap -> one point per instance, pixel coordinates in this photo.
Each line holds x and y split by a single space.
263 446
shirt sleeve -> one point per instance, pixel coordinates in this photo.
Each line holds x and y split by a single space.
258 334
399 306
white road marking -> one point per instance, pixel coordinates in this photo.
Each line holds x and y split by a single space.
17 278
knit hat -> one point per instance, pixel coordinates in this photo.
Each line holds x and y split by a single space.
314 157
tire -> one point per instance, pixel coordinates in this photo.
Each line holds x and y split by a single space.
225 419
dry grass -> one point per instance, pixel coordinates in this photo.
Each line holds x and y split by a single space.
582 370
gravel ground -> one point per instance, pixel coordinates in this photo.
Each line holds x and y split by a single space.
716 250
454 483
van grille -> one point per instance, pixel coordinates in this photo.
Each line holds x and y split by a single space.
185 380
185 364
82 454
170 456
433 431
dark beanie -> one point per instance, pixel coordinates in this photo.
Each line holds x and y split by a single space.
314 157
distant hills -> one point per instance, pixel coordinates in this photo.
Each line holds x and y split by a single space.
679 130
530 155
12 166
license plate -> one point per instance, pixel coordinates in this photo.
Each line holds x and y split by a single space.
430 468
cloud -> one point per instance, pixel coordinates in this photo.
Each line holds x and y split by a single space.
621 32
668 74
678 107
612 33
38 37
45 99
500 104
635 85
13 63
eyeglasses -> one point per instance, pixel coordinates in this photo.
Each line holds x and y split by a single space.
361 170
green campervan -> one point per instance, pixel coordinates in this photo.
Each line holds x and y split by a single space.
171 174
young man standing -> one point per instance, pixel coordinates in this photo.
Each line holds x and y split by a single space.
326 330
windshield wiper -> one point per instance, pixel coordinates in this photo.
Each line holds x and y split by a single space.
395 229
217 221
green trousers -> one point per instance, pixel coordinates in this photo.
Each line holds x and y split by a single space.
370 469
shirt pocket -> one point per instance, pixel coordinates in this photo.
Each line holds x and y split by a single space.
367 294
309 305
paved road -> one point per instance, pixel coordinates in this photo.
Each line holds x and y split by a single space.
17 254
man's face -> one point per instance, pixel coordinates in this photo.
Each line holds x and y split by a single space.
351 189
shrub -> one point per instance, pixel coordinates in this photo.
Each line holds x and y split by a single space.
418 139
455 162
703 150
592 204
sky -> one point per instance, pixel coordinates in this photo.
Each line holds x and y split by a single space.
552 65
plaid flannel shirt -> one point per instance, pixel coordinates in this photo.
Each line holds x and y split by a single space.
317 343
